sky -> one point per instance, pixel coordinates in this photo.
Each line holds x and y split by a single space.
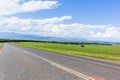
86 19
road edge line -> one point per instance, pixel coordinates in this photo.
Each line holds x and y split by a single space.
83 76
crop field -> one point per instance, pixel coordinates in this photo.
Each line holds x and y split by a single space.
111 52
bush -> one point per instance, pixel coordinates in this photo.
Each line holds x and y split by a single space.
82 45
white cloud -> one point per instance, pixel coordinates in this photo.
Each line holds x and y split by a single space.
109 34
8 7
15 24
55 27
50 26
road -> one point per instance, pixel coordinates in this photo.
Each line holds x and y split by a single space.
19 63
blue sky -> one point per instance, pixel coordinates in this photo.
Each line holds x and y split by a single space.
88 19
82 11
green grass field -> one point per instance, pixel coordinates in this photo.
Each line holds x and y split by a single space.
1 44
96 51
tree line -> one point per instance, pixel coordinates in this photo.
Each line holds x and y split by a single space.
75 43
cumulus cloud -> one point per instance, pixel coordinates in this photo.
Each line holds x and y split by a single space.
55 27
50 26
32 26
9 7
109 34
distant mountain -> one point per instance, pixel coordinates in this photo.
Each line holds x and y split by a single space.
11 35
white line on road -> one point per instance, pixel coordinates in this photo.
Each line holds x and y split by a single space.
85 77
95 62
63 68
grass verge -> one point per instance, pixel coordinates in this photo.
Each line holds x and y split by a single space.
1 44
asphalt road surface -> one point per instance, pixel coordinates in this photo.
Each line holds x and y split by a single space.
19 63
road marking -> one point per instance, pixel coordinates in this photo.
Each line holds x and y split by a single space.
85 77
94 62
63 68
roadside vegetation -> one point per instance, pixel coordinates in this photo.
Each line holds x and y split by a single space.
1 44
111 52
